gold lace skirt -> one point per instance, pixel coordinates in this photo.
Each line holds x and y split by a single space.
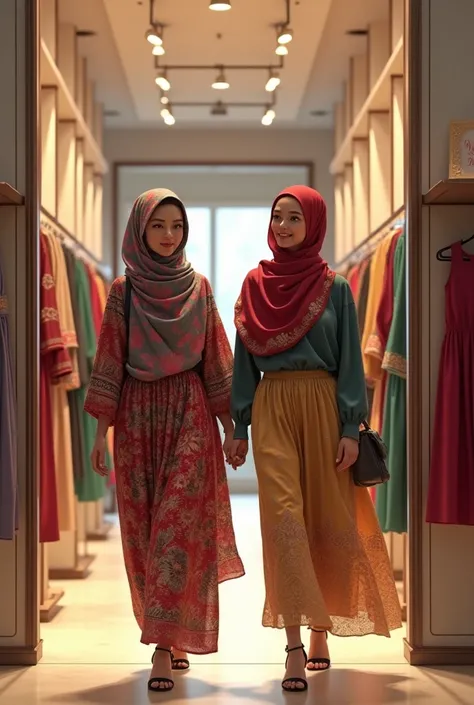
325 558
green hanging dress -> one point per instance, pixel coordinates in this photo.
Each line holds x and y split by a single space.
391 498
90 487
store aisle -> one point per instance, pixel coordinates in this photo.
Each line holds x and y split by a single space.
92 653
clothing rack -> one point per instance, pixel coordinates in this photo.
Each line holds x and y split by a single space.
372 240
50 224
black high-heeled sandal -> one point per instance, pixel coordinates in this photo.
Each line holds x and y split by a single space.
154 683
325 662
295 681
179 664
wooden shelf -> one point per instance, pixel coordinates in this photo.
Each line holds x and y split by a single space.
9 196
68 109
379 99
450 192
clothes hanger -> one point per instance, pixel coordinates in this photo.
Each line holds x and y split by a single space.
441 255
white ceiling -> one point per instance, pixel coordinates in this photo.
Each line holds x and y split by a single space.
121 63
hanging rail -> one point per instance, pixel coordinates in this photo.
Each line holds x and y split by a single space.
372 240
49 223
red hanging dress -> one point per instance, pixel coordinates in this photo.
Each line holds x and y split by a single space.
451 483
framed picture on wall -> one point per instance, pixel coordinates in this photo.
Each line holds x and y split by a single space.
461 150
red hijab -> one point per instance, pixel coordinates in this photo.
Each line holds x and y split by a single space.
282 298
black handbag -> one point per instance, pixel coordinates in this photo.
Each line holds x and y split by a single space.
370 468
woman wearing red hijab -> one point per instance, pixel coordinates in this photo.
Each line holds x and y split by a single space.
162 375
325 561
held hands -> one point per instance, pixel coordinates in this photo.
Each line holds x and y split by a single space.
347 453
98 457
235 452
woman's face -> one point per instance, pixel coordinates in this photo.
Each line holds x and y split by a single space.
164 231
288 223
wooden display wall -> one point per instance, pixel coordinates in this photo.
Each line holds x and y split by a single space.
368 164
72 170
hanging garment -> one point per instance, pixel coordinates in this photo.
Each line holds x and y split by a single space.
55 364
377 340
103 292
63 457
391 501
451 482
90 487
75 404
364 287
8 429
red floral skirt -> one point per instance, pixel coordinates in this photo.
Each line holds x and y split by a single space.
174 508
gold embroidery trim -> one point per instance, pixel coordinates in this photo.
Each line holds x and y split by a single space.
47 281
3 304
373 347
49 314
395 364
284 340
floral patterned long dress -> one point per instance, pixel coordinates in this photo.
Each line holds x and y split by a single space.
172 494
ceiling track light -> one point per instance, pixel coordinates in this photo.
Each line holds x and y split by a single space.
281 50
163 82
154 35
219 5
221 83
269 117
158 50
167 115
285 35
273 82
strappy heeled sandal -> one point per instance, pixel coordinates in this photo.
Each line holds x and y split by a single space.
154 683
323 663
179 664
288 681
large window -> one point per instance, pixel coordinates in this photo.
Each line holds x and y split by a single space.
198 249
240 243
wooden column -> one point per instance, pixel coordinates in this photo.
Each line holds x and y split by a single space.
439 60
19 254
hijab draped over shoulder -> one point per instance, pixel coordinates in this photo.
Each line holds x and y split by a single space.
168 304
282 298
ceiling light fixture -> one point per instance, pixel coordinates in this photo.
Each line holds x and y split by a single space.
164 100
285 35
168 116
269 117
273 82
219 5
281 50
163 82
219 108
154 36
221 84
158 50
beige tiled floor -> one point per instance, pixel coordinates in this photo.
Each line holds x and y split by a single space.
92 653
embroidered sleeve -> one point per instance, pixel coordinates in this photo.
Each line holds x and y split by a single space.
51 339
105 387
217 359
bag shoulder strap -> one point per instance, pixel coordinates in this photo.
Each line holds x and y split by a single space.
126 311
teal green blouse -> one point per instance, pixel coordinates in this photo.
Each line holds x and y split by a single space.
333 345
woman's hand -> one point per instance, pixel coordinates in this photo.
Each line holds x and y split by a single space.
237 453
347 453
98 456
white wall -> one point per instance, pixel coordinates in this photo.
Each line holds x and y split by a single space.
251 146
